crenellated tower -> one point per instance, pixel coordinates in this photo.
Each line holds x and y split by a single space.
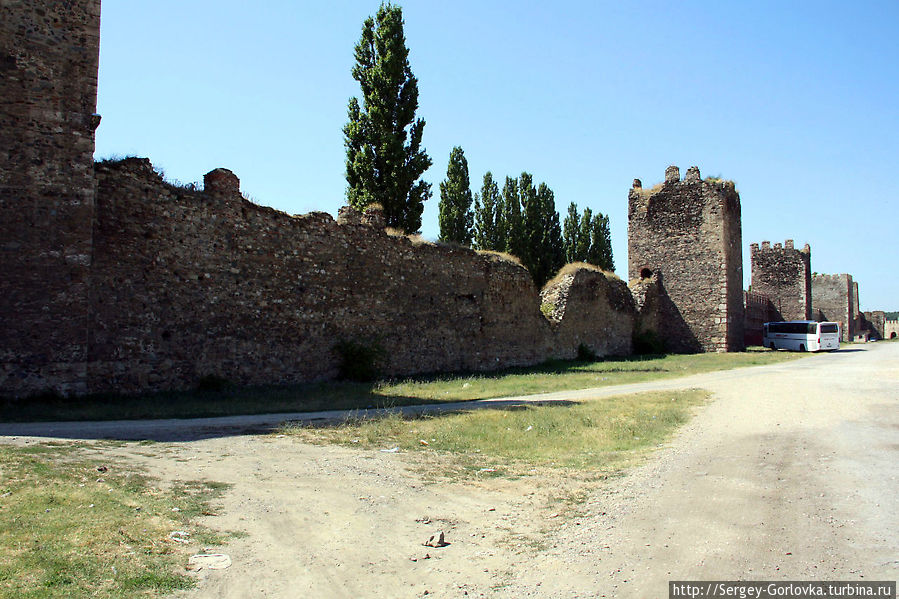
784 275
688 233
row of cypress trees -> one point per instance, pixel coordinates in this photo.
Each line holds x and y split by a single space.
385 161
521 220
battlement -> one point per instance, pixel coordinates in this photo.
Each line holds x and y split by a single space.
687 195
787 245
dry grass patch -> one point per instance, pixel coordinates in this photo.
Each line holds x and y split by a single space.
71 526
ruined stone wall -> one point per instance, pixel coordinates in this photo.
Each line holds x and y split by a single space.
833 300
589 308
783 274
114 280
187 284
48 87
874 322
690 233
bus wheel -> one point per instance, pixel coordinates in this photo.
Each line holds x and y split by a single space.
801 347
773 346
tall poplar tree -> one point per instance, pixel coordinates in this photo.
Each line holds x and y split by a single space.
587 238
487 217
571 229
384 159
511 222
542 252
600 252
455 216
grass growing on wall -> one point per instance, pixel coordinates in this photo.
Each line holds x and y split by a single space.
227 399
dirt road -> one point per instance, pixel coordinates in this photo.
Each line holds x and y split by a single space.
790 473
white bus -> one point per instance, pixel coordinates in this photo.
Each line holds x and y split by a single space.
802 335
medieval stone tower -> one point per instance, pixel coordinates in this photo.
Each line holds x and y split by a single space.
49 53
783 273
689 234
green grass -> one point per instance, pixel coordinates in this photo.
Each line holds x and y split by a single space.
562 376
601 434
230 400
69 530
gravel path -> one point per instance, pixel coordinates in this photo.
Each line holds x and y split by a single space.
790 473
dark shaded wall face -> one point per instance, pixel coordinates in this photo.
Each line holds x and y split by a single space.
49 54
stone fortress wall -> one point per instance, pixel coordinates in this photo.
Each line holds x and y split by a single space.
184 284
876 324
115 280
890 329
688 234
118 281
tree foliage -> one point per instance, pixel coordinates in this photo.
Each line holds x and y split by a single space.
513 236
587 238
384 157
521 221
455 216
488 226
542 252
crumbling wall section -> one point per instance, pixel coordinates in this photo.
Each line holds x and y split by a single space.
833 300
689 231
783 274
590 308
49 54
874 322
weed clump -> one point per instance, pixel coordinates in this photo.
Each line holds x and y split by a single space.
212 382
648 342
361 362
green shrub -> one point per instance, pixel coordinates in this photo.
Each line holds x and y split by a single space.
648 342
586 354
360 361
547 308
212 382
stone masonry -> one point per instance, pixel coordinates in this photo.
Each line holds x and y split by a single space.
891 329
689 232
783 274
48 92
590 308
874 322
833 299
186 283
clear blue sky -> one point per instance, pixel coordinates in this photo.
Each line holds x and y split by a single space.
795 101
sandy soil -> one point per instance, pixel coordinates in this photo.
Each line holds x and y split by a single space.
790 473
